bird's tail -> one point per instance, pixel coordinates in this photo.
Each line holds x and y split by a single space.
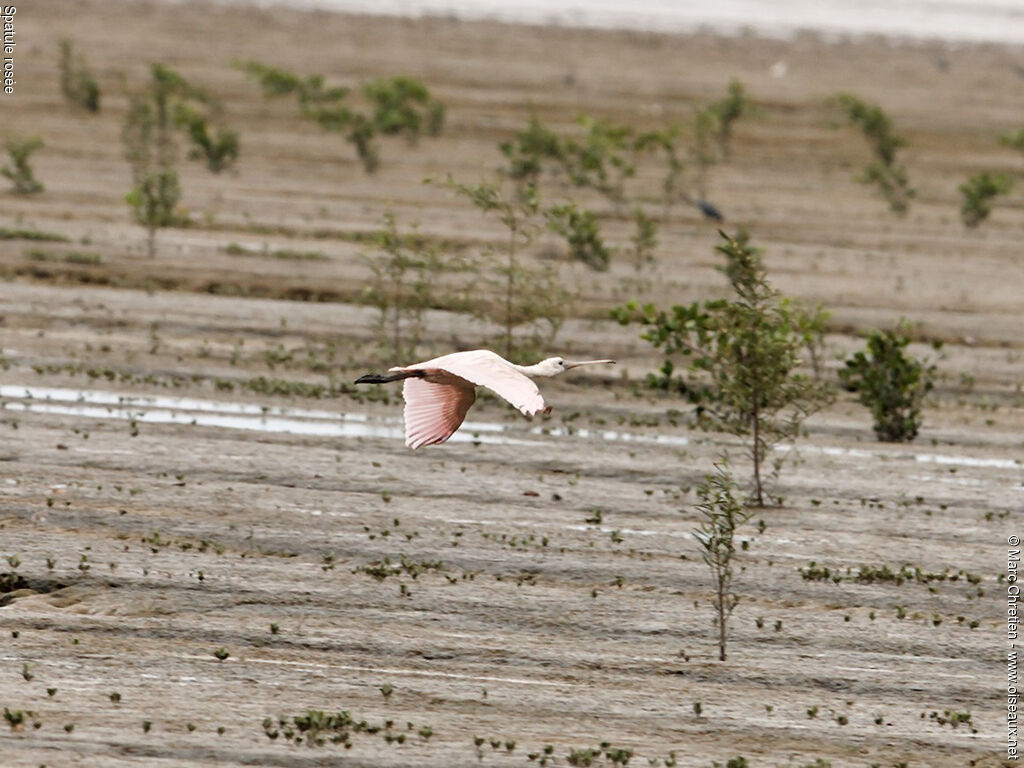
377 378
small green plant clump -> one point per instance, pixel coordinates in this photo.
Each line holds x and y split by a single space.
580 229
884 171
393 106
76 80
745 357
891 383
1013 140
607 154
217 146
721 515
316 728
978 193
19 171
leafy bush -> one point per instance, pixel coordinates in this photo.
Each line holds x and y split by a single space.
978 192
20 172
579 228
398 105
403 105
219 149
528 150
883 171
745 356
891 383
1014 140
76 80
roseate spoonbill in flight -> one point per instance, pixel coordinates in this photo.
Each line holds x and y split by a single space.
439 392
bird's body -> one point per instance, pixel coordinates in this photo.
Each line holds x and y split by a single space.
438 393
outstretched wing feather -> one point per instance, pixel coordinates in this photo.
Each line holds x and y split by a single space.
434 411
487 369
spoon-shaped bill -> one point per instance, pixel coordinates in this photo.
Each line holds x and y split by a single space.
576 363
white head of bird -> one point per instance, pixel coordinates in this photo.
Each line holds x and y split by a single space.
552 366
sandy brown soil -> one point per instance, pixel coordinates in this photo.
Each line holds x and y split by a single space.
146 547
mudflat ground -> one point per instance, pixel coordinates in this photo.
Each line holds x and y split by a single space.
160 508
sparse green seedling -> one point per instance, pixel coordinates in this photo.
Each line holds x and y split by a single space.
721 515
518 296
978 193
884 171
20 171
217 146
406 270
578 226
221 653
398 105
76 80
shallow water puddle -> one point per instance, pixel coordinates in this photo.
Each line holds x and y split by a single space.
163 409
159 409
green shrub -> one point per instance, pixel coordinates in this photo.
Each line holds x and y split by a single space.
891 383
398 105
977 194
580 230
20 172
884 172
217 147
745 356
76 80
1014 140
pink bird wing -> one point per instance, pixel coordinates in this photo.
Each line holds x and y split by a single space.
487 369
434 411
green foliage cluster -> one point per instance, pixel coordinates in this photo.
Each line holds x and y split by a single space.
1014 140
76 80
744 353
602 156
20 171
884 171
580 229
218 147
721 514
608 154
398 105
891 383
977 194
